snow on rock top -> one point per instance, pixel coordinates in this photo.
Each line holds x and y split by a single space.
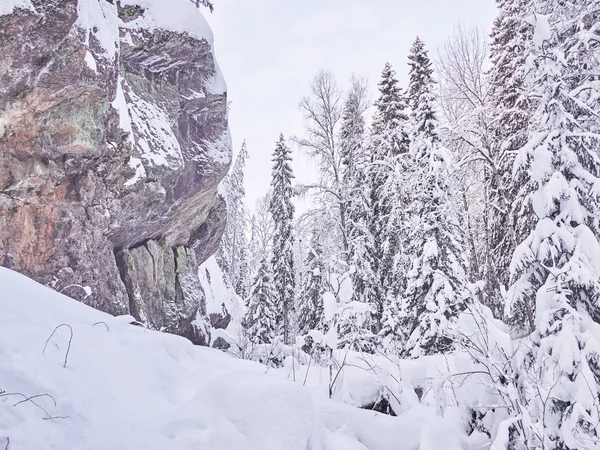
174 15
8 6
180 16
218 294
124 386
100 19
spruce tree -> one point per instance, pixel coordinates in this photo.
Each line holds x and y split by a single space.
232 252
310 316
261 318
241 286
512 107
355 163
282 212
437 278
556 267
352 154
352 135
390 116
389 142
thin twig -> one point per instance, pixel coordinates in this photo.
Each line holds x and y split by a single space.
338 372
103 323
55 417
293 365
308 368
68 346
28 399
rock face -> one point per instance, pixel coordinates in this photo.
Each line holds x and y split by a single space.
113 140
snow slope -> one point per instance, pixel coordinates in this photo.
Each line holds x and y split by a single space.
125 387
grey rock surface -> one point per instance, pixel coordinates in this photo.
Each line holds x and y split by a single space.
110 159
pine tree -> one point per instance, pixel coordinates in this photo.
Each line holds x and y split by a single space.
310 315
282 212
260 320
436 281
232 251
389 142
512 107
556 267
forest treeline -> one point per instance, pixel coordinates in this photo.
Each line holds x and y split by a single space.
473 188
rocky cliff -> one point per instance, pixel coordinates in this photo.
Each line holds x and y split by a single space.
113 140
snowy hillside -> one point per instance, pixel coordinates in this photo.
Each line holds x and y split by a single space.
125 387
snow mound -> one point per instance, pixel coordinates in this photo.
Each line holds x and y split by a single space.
102 383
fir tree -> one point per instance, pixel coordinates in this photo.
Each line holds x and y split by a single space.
436 281
556 266
282 212
260 320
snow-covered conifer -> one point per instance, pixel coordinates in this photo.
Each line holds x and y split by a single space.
282 212
232 251
310 311
436 280
389 144
355 164
556 267
511 110
260 321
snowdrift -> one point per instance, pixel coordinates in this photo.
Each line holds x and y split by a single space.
99 382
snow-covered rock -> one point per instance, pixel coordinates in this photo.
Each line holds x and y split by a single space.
113 140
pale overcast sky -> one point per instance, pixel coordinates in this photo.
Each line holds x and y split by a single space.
269 51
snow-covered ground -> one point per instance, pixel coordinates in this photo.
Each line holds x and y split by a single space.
119 386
